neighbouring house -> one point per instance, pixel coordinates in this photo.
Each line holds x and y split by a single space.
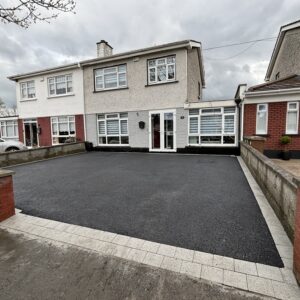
50 106
9 124
271 109
148 99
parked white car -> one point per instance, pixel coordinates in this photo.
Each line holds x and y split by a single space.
6 146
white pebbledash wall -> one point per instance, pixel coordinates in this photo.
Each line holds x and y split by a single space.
45 106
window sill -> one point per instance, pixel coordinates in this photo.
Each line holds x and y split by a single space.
59 96
291 134
262 134
29 99
161 83
113 145
110 90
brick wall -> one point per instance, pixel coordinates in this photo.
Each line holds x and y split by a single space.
79 123
297 239
20 130
276 125
7 206
45 135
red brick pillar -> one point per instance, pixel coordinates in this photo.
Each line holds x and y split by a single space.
7 205
297 239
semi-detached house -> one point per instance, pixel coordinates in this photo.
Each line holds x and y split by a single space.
50 106
148 99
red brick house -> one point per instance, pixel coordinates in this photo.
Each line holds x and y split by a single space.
271 109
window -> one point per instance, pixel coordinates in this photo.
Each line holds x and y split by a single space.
161 69
277 76
113 129
9 129
63 130
111 78
292 117
262 119
212 126
27 90
60 85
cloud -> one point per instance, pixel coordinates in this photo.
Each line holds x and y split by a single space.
133 24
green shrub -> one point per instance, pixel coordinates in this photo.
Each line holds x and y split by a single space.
285 140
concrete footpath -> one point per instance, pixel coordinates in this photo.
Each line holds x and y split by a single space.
34 268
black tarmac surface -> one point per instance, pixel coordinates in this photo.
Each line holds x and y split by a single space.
198 202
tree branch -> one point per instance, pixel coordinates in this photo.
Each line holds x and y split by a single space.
26 12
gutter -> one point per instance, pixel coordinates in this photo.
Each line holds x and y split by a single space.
130 55
273 92
43 72
124 55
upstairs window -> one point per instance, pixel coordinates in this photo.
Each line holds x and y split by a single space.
27 90
60 85
161 69
111 78
292 117
262 119
113 129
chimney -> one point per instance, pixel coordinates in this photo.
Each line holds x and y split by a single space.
104 49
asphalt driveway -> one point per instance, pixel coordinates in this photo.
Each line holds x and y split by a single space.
200 202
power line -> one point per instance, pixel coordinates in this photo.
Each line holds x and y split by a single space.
233 56
241 43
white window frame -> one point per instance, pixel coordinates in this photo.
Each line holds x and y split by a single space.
222 134
267 117
105 119
102 74
55 83
73 135
297 119
3 129
156 60
24 86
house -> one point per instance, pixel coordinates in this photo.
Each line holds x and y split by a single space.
148 99
151 100
50 105
271 109
136 99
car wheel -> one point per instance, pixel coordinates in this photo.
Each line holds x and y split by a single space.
12 149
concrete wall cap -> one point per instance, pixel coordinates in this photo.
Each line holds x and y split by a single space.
255 138
5 173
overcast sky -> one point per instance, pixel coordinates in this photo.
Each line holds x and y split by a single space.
133 24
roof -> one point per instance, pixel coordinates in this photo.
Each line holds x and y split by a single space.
282 31
123 55
289 82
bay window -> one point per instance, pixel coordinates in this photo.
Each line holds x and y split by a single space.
292 117
27 90
111 78
212 126
9 129
161 69
63 129
60 85
113 129
262 119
